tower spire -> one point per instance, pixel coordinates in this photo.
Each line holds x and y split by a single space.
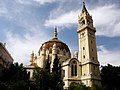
83 3
84 8
55 33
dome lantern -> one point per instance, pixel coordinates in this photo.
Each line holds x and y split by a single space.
55 33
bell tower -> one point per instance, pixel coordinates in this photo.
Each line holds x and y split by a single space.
87 48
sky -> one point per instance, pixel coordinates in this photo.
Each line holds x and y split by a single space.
26 24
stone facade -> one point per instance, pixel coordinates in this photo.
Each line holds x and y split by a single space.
75 70
5 58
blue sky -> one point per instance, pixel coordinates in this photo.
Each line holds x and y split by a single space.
26 24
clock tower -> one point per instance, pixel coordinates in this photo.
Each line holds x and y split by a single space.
90 73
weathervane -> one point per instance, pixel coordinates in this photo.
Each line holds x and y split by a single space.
83 3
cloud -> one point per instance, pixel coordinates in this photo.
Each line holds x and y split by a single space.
106 19
2 11
24 33
20 17
44 1
36 2
21 48
105 14
106 56
63 20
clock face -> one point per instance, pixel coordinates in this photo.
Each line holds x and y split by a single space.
82 35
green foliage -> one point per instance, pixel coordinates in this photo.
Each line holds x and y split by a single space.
56 75
110 77
18 85
45 80
77 86
14 78
41 78
95 87
14 73
57 82
3 86
81 86
47 67
55 68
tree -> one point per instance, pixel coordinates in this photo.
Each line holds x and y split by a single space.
3 86
45 80
47 67
15 72
56 75
96 87
55 68
110 77
18 85
78 86
14 77
41 78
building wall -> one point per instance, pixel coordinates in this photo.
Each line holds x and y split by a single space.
68 78
5 58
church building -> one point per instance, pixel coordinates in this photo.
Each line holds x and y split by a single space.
84 69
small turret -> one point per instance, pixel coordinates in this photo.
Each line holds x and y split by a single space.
54 47
76 54
32 58
43 49
43 57
54 52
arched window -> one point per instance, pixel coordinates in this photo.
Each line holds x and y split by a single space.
74 68
83 22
